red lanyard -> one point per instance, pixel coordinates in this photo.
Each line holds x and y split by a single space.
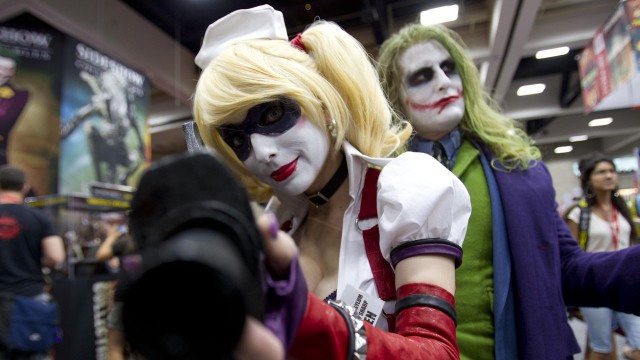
613 225
10 199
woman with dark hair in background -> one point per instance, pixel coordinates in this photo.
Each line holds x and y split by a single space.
602 222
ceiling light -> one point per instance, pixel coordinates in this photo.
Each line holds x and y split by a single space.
563 149
600 122
439 15
530 89
578 138
542 54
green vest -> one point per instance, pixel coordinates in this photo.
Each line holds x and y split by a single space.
474 279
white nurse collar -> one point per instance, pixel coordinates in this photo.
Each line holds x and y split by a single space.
260 22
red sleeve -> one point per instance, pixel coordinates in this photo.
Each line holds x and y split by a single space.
422 332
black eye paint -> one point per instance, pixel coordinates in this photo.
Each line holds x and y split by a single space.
422 76
425 74
449 67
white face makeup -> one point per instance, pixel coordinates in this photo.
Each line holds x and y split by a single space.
432 89
291 161
7 69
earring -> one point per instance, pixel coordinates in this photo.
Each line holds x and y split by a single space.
332 130
589 193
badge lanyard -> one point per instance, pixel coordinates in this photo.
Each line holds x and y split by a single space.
10 199
613 226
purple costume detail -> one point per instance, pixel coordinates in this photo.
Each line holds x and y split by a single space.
426 249
286 302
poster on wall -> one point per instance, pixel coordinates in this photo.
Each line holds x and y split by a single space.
30 67
103 132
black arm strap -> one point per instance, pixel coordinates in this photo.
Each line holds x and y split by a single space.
426 300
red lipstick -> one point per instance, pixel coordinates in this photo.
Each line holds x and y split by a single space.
285 171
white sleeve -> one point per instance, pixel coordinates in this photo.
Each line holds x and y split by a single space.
420 199
574 215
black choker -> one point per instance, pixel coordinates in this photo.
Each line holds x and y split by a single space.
322 196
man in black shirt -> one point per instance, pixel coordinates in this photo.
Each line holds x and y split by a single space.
27 243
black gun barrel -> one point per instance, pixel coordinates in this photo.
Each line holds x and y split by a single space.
201 261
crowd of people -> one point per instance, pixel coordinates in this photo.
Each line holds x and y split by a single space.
405 217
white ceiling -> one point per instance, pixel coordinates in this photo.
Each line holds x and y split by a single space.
499 34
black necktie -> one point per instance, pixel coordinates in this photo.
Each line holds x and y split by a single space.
439 154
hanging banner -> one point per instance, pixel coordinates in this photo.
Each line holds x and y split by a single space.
633 13
609 66
589 79
103 131
30 67
603 81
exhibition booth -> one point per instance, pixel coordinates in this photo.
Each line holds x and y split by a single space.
75 120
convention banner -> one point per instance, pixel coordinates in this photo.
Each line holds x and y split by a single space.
602 67
103 132
589 79
633 14
610 65
30 66
620 54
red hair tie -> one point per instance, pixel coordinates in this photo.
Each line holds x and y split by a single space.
297 42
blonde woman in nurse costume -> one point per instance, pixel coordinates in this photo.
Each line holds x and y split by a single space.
306 124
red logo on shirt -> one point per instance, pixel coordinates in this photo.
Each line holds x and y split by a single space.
9 227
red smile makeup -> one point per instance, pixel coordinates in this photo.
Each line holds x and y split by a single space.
440 104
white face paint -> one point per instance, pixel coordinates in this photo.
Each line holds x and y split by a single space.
289 162
432 89
7 69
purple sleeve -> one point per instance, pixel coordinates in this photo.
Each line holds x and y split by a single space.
599 279
286 302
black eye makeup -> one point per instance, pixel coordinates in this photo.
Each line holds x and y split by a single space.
272 114
421 76
449 67
270 118
425 74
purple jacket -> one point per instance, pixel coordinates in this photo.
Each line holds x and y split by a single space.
551 271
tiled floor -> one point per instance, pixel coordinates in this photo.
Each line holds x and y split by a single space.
580 330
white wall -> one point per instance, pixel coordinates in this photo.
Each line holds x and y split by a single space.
566 184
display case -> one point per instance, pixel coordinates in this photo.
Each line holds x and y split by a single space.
82 222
